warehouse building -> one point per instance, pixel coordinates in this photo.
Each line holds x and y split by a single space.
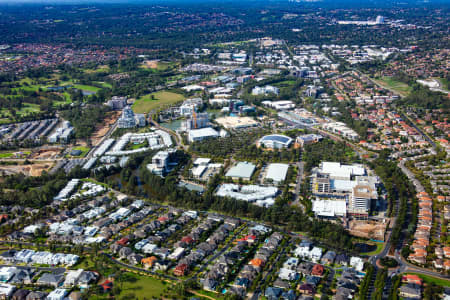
276 173
202 134
242 170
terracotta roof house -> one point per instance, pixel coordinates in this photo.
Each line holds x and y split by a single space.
148 262
180 270
123 241
257 262
409 278
106 286
317 270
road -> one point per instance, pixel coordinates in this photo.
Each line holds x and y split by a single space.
130 267
219 253
106 136
404 266
257 291
298 183
178 139
405 117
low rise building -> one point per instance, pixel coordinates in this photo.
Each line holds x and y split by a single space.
195 135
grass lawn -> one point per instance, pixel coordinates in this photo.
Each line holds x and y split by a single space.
210 294
103 68
95 181
106 85
145 103
33 88
285 83
142 286
400 87
430 279
163 66
6 155
86 87
156 65
12 154
25 110
29 108
67 98
444 82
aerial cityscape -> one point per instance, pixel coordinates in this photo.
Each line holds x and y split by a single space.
281 149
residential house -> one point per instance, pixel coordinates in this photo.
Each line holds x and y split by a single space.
307 289
305 268
58 294
317 270
51 279
135 259
125 252
149 262
410 278
209 284
281 284
106 286
328 258
411 291
20 294
180 270
273 293
287 274
291 263
342 259
289 295
36 295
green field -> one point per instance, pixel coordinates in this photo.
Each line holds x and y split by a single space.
142 286
86 87
430 279
25 110
106 85
13 154
98 70
397 86
444 83
145 103
285 83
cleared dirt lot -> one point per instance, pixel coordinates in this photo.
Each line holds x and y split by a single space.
29 170
368 229
102 129
50 153
151 64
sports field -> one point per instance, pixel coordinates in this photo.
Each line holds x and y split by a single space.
146 103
